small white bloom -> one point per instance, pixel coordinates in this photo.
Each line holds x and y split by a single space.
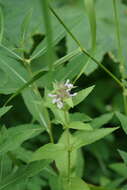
60 104
52 95
62 91
55 100
68 84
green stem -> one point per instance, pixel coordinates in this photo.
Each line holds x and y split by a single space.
121 60
84 50
51 134
69 156
68 145
48 29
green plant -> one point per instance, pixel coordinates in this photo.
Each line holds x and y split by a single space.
49 60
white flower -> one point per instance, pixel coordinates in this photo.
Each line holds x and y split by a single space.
56 100
68 85
52 95
62 91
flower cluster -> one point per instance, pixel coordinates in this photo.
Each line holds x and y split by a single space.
62 92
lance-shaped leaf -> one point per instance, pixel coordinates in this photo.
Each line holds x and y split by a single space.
123 120
123 154
80 126
4 109
79 117
23 173
83 138
48 151
15 136
119 168
81 95
100 121
76 183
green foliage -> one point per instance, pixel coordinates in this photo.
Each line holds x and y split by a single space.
88 137
82 95
123 121
60 131
3 110
80 126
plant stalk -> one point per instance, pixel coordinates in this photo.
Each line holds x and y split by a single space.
84 50
68 145
69 156
120 56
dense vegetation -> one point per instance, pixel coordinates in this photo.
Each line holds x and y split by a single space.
63 95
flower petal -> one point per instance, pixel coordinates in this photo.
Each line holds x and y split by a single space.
52 95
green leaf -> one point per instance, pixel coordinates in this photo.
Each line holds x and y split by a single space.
72 69
59 115
69 102
77 184
89 4
62 159
123 154
123 120
22 154
67 57
119 168
40 74
84 138
80 126
26 85
1 25
15 136
25 26
81 95
19 76
15 71
24 172
80 164
35 105
48 151
48 28
79 117
92 187
4 109
100 121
